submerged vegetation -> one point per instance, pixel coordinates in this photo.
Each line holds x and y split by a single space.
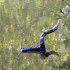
22 22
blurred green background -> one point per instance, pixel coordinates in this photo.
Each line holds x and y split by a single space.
22 22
